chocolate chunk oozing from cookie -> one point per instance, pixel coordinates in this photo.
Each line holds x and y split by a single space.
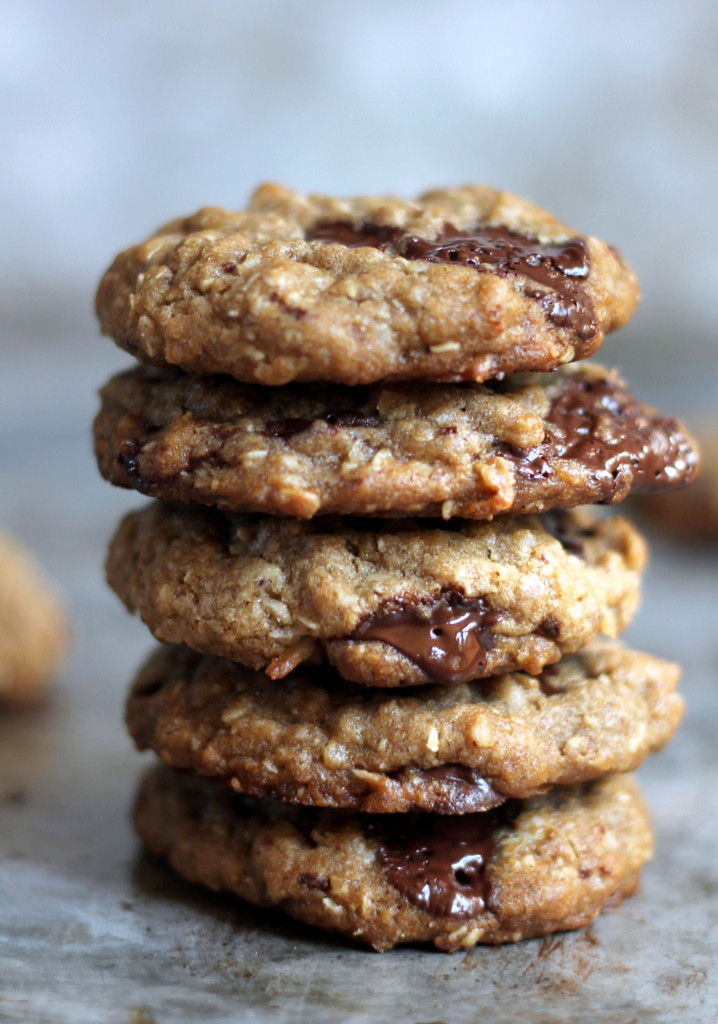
316 740
692 516
530 443
560 268
547 864
461 284
271 593
442 865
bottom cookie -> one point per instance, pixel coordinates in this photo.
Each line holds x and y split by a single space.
527 868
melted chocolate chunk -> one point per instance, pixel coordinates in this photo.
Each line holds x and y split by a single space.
463 790
560 525
448 639
348 419
344 233
559 267
597 422
441 864
545 681
289 428
312 881
457 774
550 628
127 459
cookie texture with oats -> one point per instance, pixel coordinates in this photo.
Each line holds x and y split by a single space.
530 443
316 741
388 602
460 284
33 629
550 863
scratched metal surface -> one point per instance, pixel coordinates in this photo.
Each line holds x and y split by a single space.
91 930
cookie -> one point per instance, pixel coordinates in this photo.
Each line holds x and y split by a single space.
529 868
32 626
390 603
461 284
316 741
533 442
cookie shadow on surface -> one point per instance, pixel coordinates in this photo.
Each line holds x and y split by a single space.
154 881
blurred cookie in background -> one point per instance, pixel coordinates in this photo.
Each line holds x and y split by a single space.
689 513
33 627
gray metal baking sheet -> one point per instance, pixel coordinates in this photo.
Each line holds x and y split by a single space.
92 930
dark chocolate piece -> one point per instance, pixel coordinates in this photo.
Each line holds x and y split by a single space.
441 864
466 790
550 628
312 881
560 267
127 458
344 233
287 428
597 422
448 639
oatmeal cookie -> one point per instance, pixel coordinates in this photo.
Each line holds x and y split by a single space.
451 749
533 442
32 626
460 284
390 602
550 863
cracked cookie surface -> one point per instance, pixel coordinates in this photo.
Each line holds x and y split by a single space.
389 603
460 284
550 863
535 441
313 740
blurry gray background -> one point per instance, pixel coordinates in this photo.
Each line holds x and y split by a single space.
119 115
116 115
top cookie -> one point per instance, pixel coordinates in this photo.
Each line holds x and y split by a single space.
461 284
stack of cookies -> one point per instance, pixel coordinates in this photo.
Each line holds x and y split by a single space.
379 701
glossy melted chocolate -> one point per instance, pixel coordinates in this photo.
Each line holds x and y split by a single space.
288 428
452 788
448 639
441 864
343 232
561 267
598 423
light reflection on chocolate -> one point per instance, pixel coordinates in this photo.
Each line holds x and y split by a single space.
448 789
342 232
448 639
598 423
559 267
441 864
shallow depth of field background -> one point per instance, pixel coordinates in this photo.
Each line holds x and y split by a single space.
117 116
